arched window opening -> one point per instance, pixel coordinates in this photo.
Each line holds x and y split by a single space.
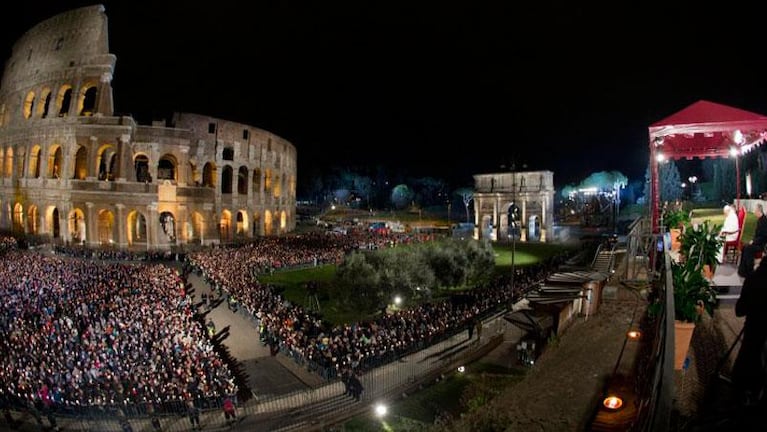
106 162
228 154
29 105
242 181
267 223
136 228
88 101
283 221
32 223
277 190
225 225
2 162
76 225
209 175
256 224
55 156
81 164
106 227
168 224
166 168
45 107
256 181
9 162
141 166
18 218
267 180
34 162
226 180
242 224
194 175
55 224
64 100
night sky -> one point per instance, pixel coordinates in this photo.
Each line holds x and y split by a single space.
446 89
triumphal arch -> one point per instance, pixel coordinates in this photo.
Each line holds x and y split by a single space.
516 205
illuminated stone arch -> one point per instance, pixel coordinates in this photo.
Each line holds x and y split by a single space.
81 163
18 218
224 226
106 227
226 179
267 180
241 227
29 105
86 100
64 100
209 175
256 182
53 221
256 224
32 220
2 162
9 162
283 221
277 189
198 227
55 161
168 226
43 108
106 159
167 168
141 167
76 225
34 161
137 228
242 180
267 222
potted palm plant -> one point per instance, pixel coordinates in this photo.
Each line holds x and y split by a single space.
700 245
693 293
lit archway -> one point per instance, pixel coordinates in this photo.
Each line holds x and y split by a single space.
242 181
76 225
209 175
106 225
34 161
29 105
81 163
141 167
256 182
242 223
267 223
256 224
9 162
54 161
64 100
32 221
166 168
52 221
225 225
87 101
137 229
283 221
43 108
18 218
168 225
106 158
198 226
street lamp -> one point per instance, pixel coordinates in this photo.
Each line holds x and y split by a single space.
692 180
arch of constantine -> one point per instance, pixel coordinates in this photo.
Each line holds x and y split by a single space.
72 170
519 203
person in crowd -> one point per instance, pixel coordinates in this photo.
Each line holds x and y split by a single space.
757 244
748 374
230 414
194 415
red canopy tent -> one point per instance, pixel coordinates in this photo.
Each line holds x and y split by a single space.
703 129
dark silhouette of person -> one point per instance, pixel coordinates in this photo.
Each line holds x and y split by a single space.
748 373
746 266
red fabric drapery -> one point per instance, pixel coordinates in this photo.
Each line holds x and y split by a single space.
703 129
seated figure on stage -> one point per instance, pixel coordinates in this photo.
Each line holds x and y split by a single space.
729 230
757 244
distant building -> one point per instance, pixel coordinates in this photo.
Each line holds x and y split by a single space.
72 170
519 203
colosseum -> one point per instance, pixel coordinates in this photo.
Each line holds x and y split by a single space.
74 172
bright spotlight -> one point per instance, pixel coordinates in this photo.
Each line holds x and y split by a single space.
397 300
461 369
381 410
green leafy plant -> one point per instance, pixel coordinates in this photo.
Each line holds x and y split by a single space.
693 293
700 245
676 218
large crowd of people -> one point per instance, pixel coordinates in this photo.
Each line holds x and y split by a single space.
76 333
84 328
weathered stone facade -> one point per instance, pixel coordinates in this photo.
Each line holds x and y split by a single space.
72 170
528 195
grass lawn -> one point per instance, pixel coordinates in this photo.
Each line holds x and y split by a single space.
420 409
524 254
